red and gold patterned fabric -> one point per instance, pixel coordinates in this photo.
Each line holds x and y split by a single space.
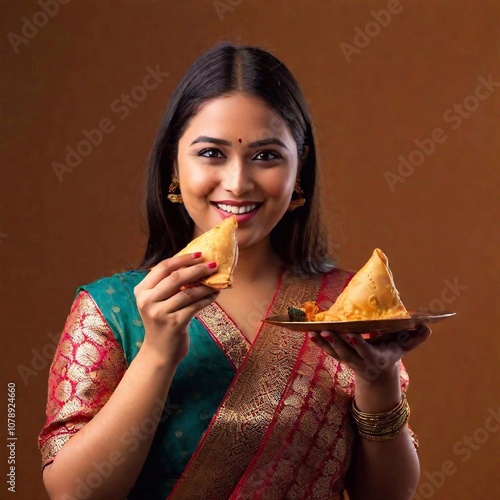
87 366
283 428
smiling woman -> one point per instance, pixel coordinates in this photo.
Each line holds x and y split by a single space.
265 118
220 405
220 176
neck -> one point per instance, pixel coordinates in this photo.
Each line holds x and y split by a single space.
257 263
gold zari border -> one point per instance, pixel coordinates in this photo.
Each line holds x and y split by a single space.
233 342
239 426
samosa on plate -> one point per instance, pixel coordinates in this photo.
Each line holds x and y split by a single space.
371 294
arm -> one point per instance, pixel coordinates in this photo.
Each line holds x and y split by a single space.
388 469
383 470
130 416
99 456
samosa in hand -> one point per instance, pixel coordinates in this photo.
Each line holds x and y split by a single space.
219 244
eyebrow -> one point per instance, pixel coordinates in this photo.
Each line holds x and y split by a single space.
223 142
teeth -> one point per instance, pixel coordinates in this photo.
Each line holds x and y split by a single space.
236 210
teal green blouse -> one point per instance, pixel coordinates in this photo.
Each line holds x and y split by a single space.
197 390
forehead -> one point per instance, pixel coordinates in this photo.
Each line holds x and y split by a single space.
240 116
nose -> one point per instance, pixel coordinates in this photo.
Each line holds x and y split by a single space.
237 178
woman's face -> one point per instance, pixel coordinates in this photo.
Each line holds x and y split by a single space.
237 156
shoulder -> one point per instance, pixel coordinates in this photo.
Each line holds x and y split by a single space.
338 272
126 278
116 283
115 299
337 277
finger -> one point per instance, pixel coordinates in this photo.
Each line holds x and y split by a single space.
340 344
179 278
191 285
324 344
166 267
416 337
195 307
343 348
181 318
359 344
188 296
381 355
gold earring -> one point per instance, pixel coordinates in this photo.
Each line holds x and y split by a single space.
300 201
174 185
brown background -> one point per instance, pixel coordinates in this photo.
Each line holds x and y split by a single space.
438 225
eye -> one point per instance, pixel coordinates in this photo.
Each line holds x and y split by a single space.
267 155
211 153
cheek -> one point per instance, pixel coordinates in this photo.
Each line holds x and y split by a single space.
196 181
280 186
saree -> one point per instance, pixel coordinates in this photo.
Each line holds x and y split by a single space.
267 420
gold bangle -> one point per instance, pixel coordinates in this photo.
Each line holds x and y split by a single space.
381 426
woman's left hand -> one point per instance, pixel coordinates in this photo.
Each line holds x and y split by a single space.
369 361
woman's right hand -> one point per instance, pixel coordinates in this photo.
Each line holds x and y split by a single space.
167 298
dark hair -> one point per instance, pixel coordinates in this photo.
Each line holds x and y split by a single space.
298 238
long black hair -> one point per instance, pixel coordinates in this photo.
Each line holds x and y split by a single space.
298 238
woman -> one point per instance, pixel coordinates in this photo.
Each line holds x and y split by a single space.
162 386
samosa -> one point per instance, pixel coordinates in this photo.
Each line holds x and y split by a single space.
371 294
219 244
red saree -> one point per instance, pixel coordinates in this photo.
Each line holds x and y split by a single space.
283 429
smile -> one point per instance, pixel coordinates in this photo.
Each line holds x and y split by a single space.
232 209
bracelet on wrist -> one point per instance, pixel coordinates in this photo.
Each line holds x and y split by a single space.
381 426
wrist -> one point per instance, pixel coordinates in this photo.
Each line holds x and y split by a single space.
156 359
378 394
382 426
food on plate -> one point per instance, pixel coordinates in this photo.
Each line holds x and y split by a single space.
219 244
296 314
371 294
307 312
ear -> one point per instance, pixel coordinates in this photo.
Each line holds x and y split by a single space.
302 159
175 169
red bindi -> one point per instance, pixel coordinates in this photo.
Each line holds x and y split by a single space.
239 140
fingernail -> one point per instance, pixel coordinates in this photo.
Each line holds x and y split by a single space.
212 265
353 341
328 337
196 255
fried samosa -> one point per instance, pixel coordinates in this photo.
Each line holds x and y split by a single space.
371 294
219 244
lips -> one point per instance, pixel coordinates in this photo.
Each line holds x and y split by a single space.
244 210
237 207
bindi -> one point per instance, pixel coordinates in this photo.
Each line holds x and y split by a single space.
239 140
